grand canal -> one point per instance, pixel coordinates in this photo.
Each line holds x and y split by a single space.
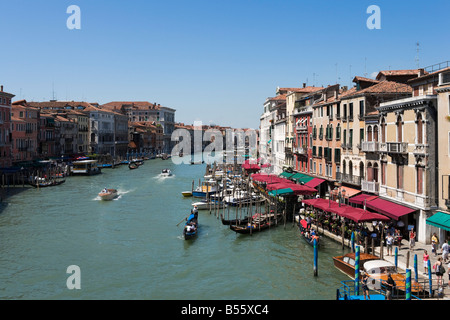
131 248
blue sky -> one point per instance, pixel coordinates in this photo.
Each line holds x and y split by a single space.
212 60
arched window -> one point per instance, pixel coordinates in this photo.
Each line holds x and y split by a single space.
375 172
361 170
369 133
399 129
383 130
375 133
420 130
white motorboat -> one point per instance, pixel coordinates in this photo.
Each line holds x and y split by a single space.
205 205
108 194
166 173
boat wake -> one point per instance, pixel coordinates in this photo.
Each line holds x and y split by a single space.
120 193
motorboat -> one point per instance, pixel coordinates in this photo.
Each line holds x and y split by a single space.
377 271
346 263
205 205
108 194
186 193
166 173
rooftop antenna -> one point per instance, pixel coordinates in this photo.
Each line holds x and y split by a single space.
365 67
417 56
53 90
337 77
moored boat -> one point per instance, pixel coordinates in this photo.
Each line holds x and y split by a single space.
108 194
43 182
205 205
346 262
378 270
256 225
186 193
85 167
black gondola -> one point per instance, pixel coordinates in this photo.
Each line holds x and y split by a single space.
190 229
307 233
257 225
133 165
47 183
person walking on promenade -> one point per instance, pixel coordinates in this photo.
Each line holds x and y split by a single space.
426 257
440 271
434 244
445 250
412 239
389 243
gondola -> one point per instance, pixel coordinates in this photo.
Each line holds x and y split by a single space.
256 226
190 229
47 183
133 165
236 222
306 233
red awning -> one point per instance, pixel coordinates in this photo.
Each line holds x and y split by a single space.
359 199
248 166
388 208
311 202
296 188
314 182
361 215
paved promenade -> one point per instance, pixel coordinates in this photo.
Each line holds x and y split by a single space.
417 250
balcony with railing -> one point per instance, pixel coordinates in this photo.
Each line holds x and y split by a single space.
370 186
370 146
348 178
393 147
397 147
300 150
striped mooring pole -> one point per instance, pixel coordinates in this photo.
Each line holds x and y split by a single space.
408 284
315 258
430 277
353 241
396 257
416 276
357 256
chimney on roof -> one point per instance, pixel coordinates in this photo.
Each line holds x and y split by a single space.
304 85
421 72
1 88
344 88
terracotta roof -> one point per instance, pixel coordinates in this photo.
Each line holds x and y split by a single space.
278 97
430 74
358 78
133 104
383 87
409 72
59 104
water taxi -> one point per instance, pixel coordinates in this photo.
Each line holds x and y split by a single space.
108 194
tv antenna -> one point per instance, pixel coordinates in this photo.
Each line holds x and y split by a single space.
417 56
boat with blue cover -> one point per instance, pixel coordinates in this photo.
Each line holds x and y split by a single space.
191 227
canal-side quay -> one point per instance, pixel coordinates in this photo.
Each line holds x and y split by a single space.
138 232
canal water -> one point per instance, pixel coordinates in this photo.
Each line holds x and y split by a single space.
132 248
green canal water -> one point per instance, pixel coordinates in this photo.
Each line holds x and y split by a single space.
132 248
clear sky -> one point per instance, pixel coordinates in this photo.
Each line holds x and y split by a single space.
212 60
